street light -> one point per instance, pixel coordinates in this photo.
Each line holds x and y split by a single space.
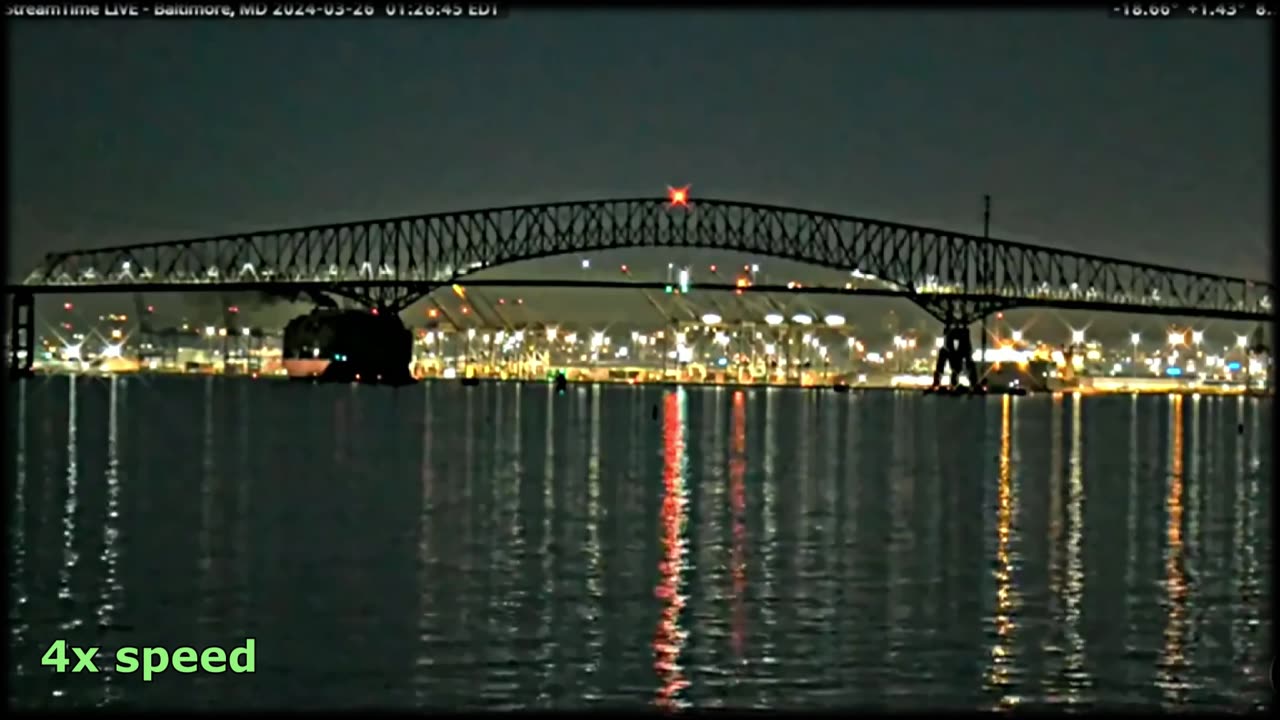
1134 339
774 319
1242 341
1016 335
1077 337
711 319
1197 337
801 319
1176 338
834 320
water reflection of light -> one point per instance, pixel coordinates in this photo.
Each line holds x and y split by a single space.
738 503
1002 659
1132 594
426 578
69 556
1172 655
18 565
207 496
669 640
595 572
546 658
1250 593
769 535
112 589
1077 676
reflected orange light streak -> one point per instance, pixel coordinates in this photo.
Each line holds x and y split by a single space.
1173 657
998 673
738 503
669 639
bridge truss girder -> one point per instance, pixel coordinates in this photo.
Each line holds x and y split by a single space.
441 248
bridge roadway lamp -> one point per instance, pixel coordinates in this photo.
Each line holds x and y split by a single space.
801 319
1077 336
774 319
834 320
684 280
711 319
1176 338
1242 341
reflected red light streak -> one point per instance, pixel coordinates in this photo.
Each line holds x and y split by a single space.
738 503
669 639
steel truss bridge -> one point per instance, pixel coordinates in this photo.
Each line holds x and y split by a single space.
391 263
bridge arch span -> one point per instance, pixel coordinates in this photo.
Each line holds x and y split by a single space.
413 254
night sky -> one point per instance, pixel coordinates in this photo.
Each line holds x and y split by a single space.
1139 139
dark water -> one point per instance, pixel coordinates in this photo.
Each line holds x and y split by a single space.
506 547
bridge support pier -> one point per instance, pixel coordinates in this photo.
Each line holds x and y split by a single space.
955 354
22 335
956 351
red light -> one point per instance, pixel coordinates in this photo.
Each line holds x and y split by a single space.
151 308
67 306
233 309
624 268
374 311
713 268
502 301
678 196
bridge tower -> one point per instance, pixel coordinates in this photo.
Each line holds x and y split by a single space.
22 335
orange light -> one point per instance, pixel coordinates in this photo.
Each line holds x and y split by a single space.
742 282
519 301
465 310
678 196
432 312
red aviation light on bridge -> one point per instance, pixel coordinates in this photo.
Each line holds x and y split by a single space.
233 309
678 196
67 306
151 308
625 270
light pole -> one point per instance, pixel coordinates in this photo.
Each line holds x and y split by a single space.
1242 342
1134 339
